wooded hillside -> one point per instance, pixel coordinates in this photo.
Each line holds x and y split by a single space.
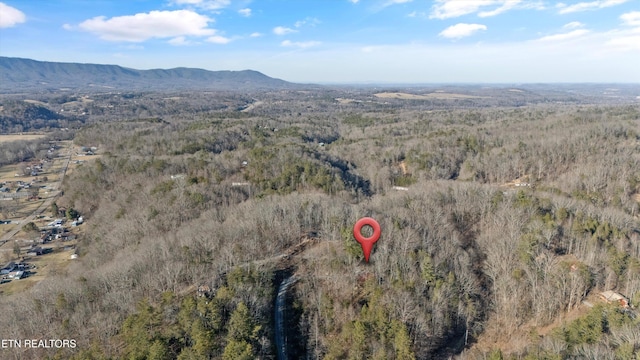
511 222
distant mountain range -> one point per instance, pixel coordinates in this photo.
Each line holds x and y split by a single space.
17 74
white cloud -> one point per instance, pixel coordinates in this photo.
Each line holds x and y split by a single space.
255 35
217 39
354 1
461 30
565 36
246 12
67 27
308 21
393 2
631 18
302 45
506 6
614 41
10 16
590 5
573 25
144 26
281 30
446 9
416 14
179 41
627 39
382 5
604 43
205 4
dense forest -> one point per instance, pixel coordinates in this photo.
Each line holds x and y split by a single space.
503 219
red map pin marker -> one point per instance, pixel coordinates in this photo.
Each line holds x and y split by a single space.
366 243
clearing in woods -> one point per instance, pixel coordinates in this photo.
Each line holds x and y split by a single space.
403 167
35 102
434 95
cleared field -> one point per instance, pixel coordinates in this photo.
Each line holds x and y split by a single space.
5 228
83 100
18 137
252 106
78 160
348 101
36 102
49 264
28 207
7 173
430 96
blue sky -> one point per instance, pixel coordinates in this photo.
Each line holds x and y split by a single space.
339 41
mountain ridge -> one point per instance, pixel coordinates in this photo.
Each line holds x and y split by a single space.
20 74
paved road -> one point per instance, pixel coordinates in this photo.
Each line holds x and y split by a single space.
45 205
281 335
285 260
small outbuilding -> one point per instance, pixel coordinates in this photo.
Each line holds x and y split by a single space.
204 290
613 297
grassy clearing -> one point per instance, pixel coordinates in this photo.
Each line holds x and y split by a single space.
19 137
81 159
430 96
5 228
27 208
35 102
8 172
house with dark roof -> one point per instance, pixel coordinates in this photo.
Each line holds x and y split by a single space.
8 268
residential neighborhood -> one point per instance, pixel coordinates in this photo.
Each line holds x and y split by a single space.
52 237
36 236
